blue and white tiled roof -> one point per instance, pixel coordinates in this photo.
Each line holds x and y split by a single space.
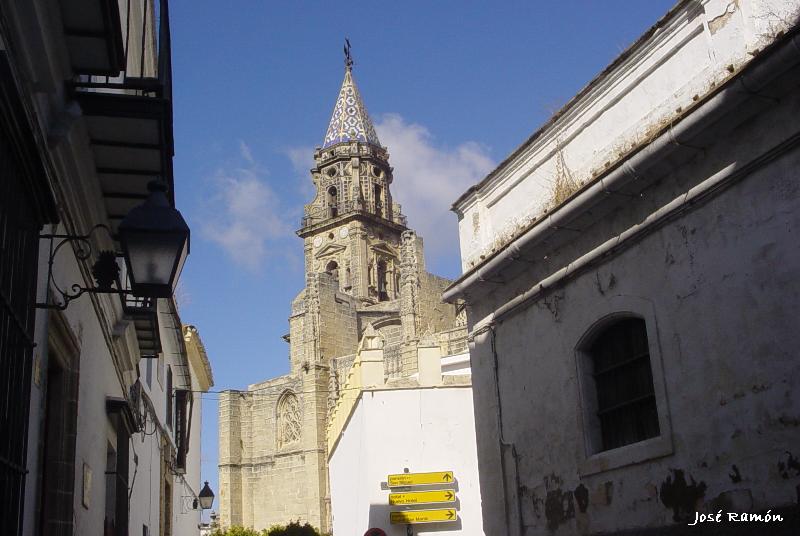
350 120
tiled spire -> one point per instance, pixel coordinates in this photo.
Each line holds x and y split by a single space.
350 120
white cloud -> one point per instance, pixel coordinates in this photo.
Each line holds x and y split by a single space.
246 213
246 153
428 178
302 158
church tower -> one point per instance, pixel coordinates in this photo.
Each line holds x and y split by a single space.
364 273
352 228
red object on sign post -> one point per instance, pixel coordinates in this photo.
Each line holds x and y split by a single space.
375 532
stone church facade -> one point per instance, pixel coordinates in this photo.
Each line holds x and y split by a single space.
364 267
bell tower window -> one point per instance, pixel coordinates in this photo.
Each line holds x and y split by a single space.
378 196
383 294
332 268
333 201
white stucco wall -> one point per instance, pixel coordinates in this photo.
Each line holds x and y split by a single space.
391 430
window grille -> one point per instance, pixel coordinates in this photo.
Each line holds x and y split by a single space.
181 428
170 399
626 403
19 238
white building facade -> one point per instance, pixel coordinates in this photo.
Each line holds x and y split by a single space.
420 424
100 411
630 278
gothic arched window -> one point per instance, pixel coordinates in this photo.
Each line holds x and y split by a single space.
289 420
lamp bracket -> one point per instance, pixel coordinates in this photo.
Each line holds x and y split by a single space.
105 270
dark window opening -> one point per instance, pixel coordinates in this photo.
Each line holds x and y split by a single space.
332 268
116 481
167 509
626 403
110 521
182 424
333 201
383 294
57 443
170 399
378 196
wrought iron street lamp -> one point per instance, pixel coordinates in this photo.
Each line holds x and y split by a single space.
206 497
155 243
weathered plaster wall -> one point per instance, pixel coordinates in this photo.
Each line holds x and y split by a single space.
718 287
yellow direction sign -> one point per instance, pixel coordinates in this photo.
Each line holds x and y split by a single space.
420 479
423 516
422 497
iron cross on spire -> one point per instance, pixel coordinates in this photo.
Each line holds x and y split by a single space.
348 59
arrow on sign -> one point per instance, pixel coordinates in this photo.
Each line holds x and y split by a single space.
423 516
420 479
422 497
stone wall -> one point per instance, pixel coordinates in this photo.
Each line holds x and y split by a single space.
435 314
296 332
338 333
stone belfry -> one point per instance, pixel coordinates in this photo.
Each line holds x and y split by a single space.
352 228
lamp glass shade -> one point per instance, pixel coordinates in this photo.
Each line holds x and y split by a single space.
155 241
206 497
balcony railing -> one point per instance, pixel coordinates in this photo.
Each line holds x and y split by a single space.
147 53
454 341
129 114
319 214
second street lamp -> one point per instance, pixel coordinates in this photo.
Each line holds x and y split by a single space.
206 497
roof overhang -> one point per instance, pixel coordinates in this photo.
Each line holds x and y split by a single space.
131 138
758 85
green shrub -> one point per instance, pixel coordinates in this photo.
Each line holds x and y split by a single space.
292 529
235 531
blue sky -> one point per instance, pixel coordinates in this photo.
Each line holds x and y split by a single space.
453 88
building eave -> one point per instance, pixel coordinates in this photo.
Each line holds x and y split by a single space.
573 103
198 358
764 67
